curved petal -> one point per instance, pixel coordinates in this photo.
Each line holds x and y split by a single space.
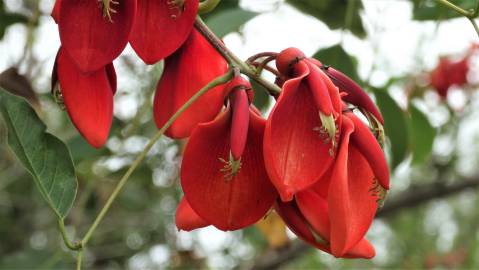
315 210
296 222
88 99
228 202
355 94
194 65
186 218
351 204
366 143
160 29
90 38
296 154
111 73
239 122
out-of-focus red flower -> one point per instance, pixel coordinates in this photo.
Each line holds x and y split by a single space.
88 97
448 73
301 133
190 68
161 26
222 172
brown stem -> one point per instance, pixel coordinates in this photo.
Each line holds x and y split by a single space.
233 60
253 58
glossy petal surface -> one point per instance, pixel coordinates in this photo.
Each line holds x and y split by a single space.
88 99
160 29
227 202
90 38
186 72
186 218
296 154
351 204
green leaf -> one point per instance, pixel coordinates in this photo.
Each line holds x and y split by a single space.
422 135
230 20
336 14
46 157
395 126
338 58
432 10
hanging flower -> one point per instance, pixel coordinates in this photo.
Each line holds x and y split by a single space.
335 214
94 33
87 97
222 172
161 26
302 130
190 68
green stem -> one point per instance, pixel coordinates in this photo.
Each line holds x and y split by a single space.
234 60
474 24
218 81
79 259
68 243
456 8
207 6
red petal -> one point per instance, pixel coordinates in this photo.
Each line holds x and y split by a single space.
90 38
295 154
315 209
366 143
111 73
363 249
88 99
186 217
239 122
296 222
156 34
355 94
194 65
319 89
228 203
352 205
56 11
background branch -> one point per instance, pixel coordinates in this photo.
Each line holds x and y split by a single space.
413 197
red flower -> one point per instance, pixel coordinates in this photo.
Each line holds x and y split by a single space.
190 68
186 218
88 97
335 214
161 26
222 173
448 73
94 32
302 130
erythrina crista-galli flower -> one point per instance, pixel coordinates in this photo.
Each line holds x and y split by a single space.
222 172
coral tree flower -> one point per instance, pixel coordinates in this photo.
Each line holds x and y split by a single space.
161 26
335 214
335 207
190 68
93 32
88 97
222 172
301 133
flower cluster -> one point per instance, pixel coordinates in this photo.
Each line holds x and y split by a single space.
313 160
93 33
